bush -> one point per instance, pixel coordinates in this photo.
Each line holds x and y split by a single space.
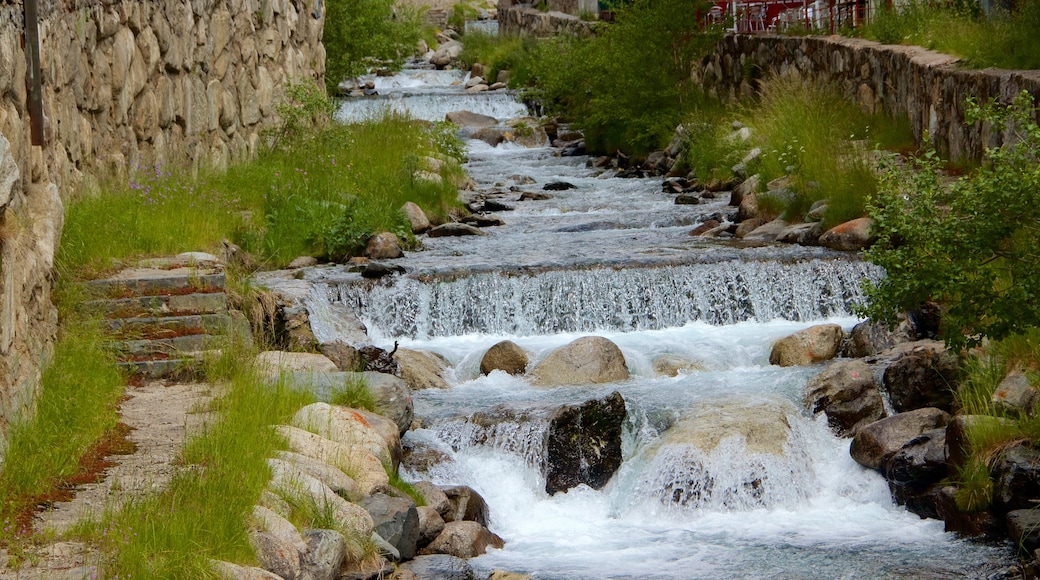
629 85
362 33
970 245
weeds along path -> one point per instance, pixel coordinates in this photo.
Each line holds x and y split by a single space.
160 417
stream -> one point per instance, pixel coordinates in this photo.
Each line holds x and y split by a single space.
612 257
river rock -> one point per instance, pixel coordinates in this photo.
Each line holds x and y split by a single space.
434 497
806 234
455 229
229 571
534 196
850 236
1023 528
393 398
474 80
362 466
748 208
922 378
431 524
767 232
470 119
846 392
687 199
1015 394
302 262
422 369
869 338
383 246
505 575
272 523
465 505
463 539
326 550
276 555
705 227
1016 478
876 443
396 521
590 359
583 444
339 482
981 523
439 567
670 365
346 426
746 188
273 362
505 356
814 344
477 88
483 220
558 186
446 54
376 270
296 486
416 217
916 467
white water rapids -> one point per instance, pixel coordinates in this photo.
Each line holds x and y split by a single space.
612 258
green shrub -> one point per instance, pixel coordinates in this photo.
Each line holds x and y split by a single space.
969 245
361 33
497 52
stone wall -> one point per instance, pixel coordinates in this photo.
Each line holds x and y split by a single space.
516 19
925 86
126 83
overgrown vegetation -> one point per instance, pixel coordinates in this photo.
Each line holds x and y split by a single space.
354 393
1003 39
360 34
321 189
77 407
629 85
969 244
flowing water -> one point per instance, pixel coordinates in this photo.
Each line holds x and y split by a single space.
613 258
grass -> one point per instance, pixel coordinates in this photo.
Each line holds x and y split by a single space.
1004 40
499 53
405 487
322 195
354 394
801 127
77 406
203 514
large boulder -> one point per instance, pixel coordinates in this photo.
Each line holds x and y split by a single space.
276 554
505 356
326 550
670 365
917 468
728 454
439 567
814 344
339 482
850 236
465 505
1016 479
878 442
464 539
922 378
422 369
591 359
470 119
446 54
396 521
292 484
583 444
431 524
347 426
273 362
846 392
1023 528
869 338
416 217
364 467
1015 394
434 497
393 398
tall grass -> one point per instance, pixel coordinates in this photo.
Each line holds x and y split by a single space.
1004 39
809 131
204 512
77 405
499 53
322 195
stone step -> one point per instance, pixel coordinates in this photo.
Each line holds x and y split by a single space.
191 324
163 368
163 305
152 282
176 347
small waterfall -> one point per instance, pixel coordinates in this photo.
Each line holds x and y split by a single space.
525 439
431 106
612 300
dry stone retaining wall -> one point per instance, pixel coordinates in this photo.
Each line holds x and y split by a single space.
515 19
126 83
925 86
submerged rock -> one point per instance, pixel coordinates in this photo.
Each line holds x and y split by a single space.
591 359
505 356
559 186
583 444
455 229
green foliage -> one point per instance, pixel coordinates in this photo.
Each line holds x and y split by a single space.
406 487
629 86
975 489
1006 40
78 403
460 13
498 53
708 148
971 245
307 109
354 393
361 33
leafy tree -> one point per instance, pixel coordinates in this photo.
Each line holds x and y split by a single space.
970 245
360 33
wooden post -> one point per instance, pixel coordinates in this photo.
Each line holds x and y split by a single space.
34 82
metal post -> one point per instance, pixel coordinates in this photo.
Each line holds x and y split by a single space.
34 82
